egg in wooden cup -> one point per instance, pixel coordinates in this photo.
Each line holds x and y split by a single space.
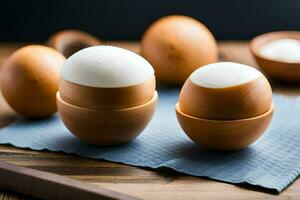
106 95
225 106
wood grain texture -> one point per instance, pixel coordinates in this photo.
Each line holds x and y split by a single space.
107 98
242 101
52 186
118 126
140 182
224 135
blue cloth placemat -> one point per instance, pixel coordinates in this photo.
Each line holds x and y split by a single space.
272 162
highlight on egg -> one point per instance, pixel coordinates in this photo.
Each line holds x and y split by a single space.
106 95
225 106
177 45
29 80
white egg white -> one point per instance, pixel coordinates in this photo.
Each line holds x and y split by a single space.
224 74
106 67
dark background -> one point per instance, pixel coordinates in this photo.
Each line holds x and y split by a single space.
33 20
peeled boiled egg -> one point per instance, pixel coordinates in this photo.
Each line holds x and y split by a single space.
29 80
106 95
225 106
176 46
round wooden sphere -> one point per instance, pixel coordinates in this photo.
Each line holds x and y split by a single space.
176 46
29 80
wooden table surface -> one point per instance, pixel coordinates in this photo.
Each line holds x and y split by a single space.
140 182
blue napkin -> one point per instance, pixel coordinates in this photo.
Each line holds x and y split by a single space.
272 162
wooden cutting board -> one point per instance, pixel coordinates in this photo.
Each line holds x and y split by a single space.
139 182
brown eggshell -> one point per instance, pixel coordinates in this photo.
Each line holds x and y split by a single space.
107 98
225 135
106 127
29 80
70 41
284 71
247 100
176 46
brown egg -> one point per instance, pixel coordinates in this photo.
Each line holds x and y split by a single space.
29 80
70 41
106 95
176 46
221 97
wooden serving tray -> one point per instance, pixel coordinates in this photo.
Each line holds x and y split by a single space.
139 182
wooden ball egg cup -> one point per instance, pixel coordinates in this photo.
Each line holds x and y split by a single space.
106 127
224 135
280 70
107 98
